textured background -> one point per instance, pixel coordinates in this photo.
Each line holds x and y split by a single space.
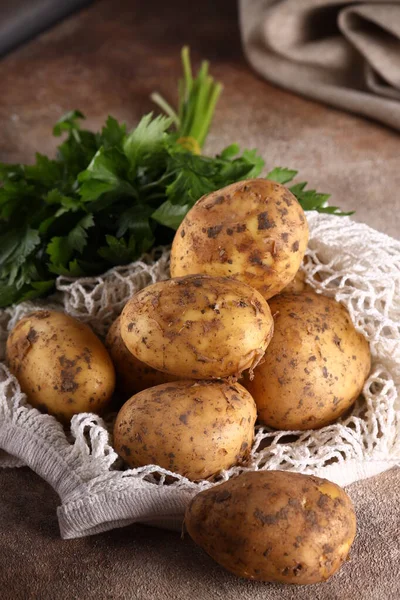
107 60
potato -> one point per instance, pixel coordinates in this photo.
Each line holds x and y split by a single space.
274 526
315 367
196 429
60 364
133 375
254 231
297 285
198 327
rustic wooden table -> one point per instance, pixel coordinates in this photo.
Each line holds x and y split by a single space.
107 60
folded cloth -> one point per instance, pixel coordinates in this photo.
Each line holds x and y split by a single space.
346 54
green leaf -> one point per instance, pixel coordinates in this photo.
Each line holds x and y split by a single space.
45 171
281 175
15 197
237 169
38 288
170 215
72 270
194 179
251 157
59 251
8 244
188 187
312 200
8 294
298 188
107 166
92 190
53 196
118 251
74 154
68 122
11 172
146 140
229 152
335 210
106 173
113 134
77 237
45 225
136 220
16 246
66 203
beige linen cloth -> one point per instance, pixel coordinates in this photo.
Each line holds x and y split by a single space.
346 54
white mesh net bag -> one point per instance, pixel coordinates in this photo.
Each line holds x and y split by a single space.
346 260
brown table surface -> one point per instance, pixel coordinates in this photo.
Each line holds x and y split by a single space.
107 60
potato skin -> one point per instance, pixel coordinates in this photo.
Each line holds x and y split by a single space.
133 375
192 428
315 367
297 285
198 327
274 526
61 365
253 230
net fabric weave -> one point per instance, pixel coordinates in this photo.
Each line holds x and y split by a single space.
346 260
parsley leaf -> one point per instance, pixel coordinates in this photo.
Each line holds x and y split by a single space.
170 215
118 251
15 247
147 140
113 134
77 237
281 175
68 122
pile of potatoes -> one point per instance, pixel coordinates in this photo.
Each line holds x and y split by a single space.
233 337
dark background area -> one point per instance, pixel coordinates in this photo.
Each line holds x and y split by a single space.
21 20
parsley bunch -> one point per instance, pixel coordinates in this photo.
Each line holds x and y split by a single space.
109 196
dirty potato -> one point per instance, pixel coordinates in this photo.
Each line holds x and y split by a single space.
198 327
297 285
195 429
254 231
133 375
315 367
60 364
274 526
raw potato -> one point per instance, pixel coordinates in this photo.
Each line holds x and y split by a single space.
192 428
254 231
297 285
274 526
133 375
315 366
198 327
60 364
